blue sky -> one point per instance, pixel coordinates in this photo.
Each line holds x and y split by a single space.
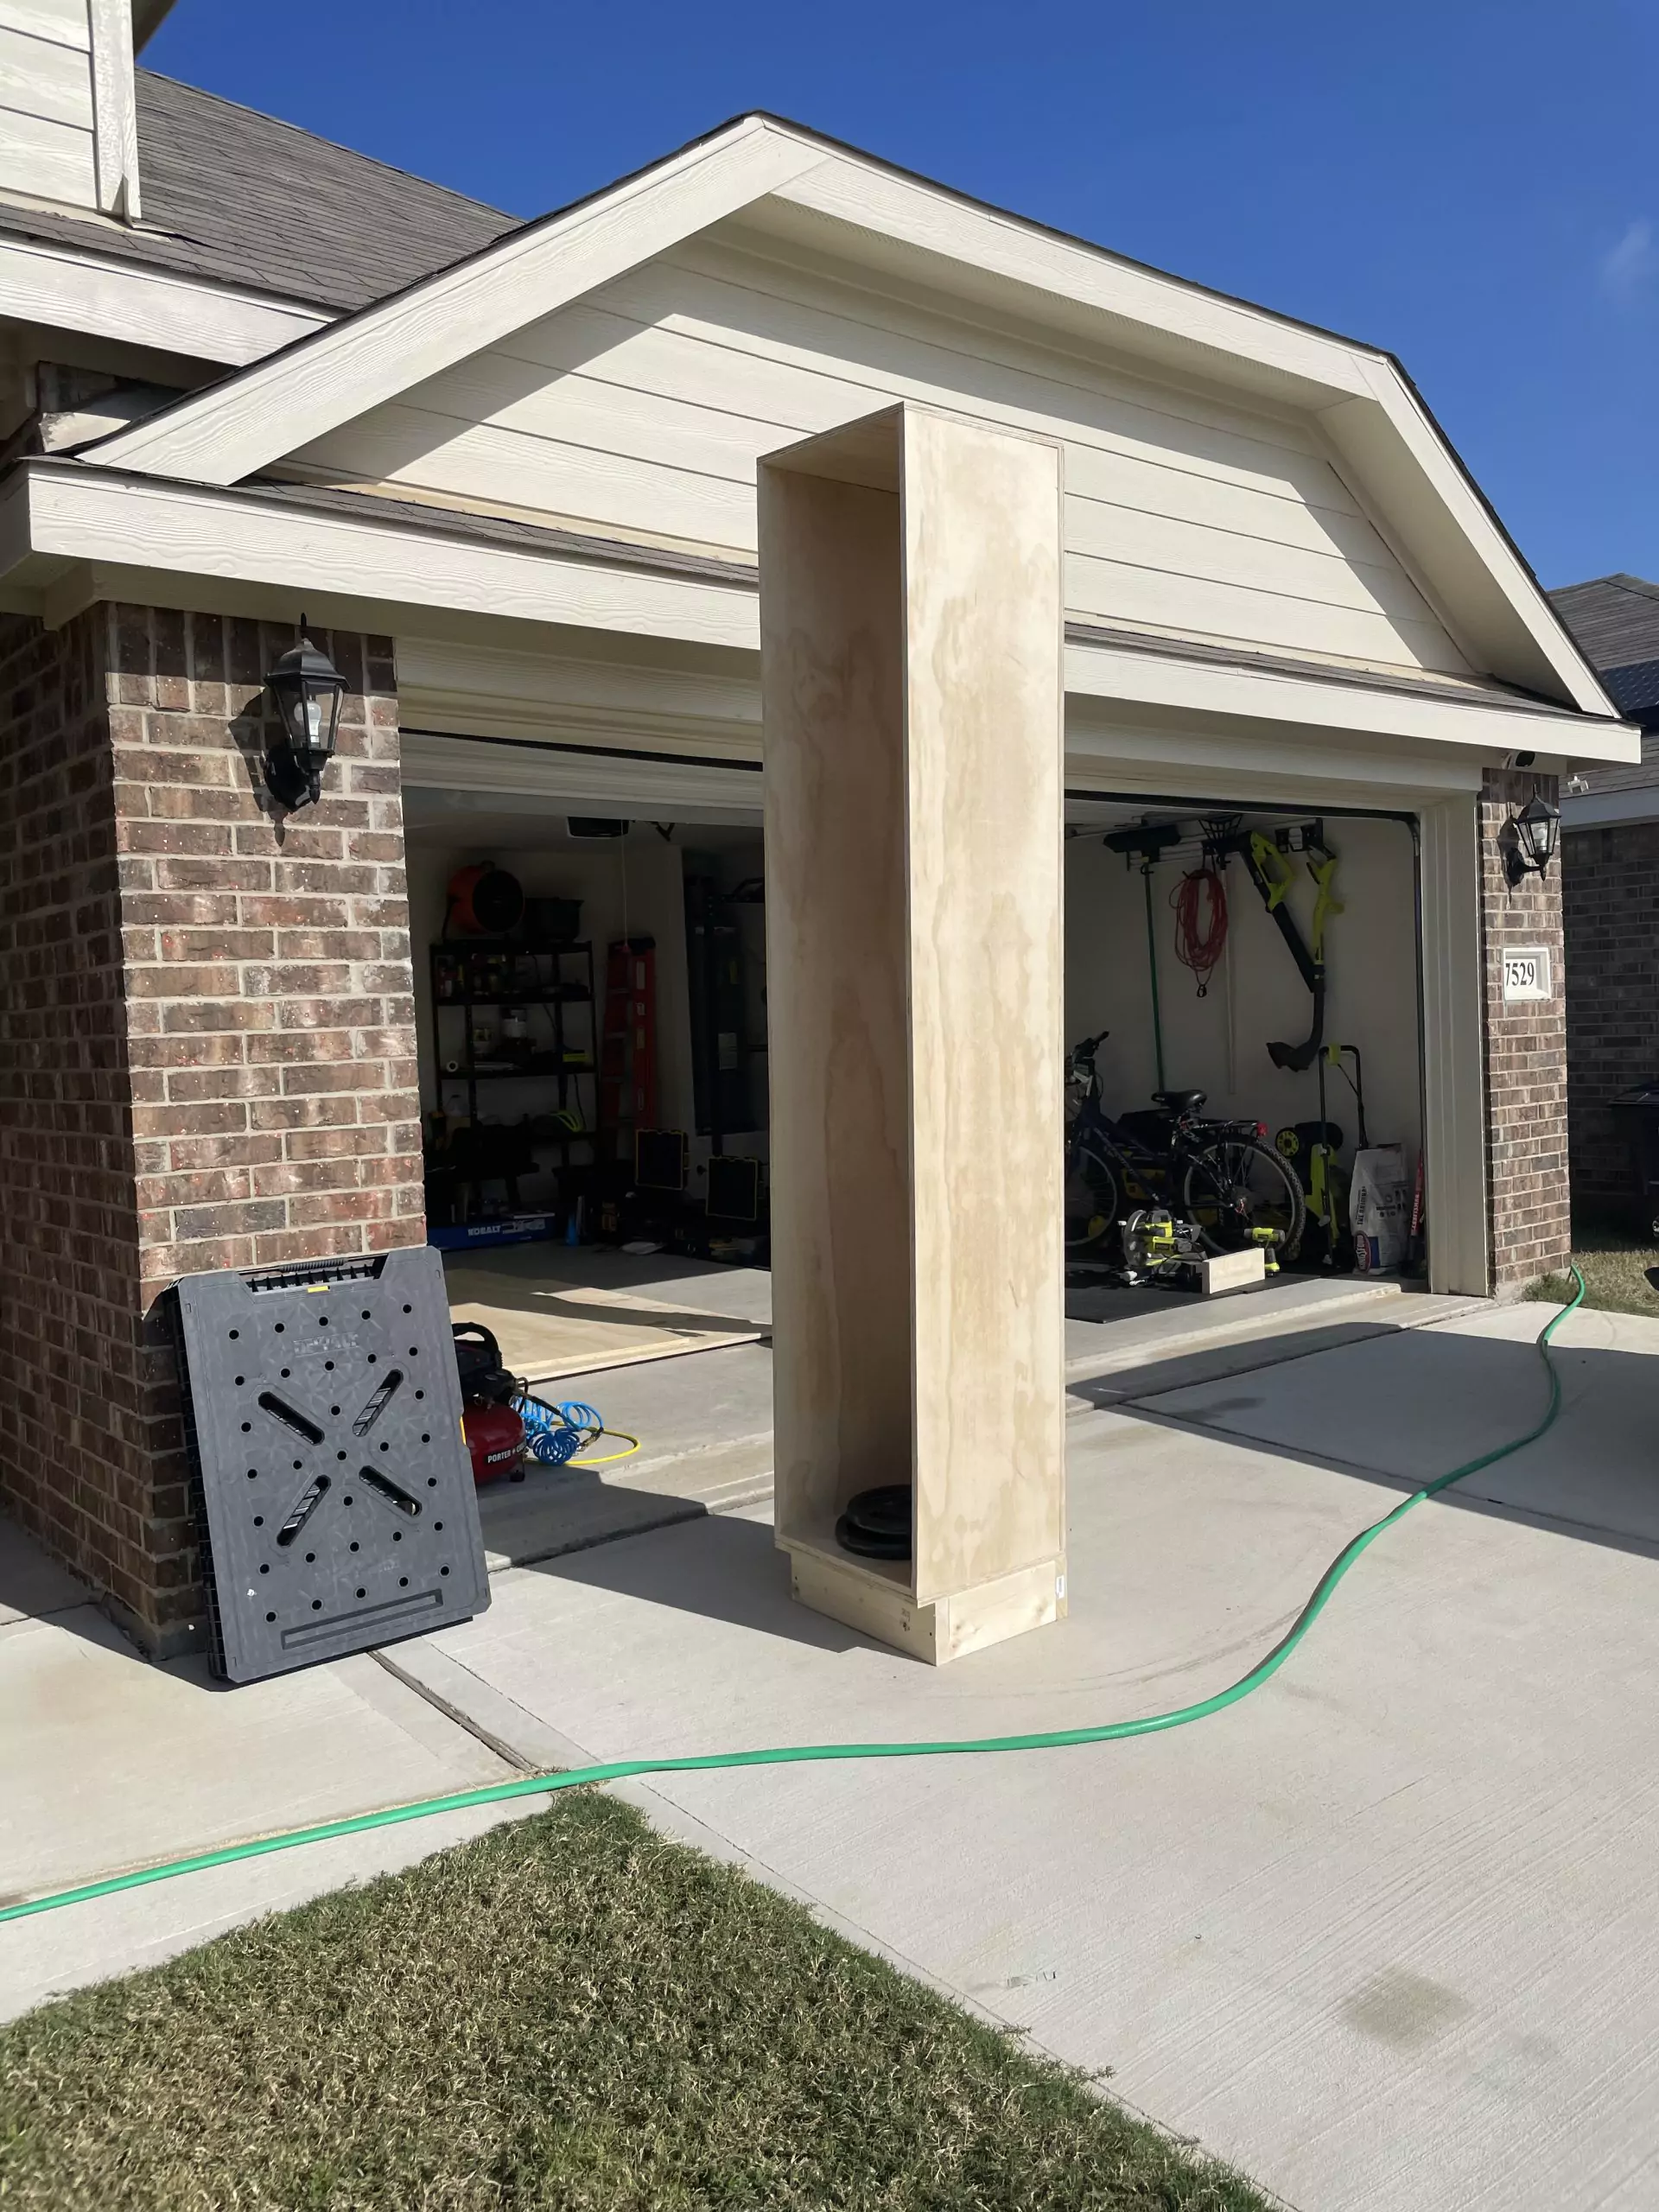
1469 185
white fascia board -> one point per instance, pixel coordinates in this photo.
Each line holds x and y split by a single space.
1606 809
235 428
1400 465
1262 694
135 304
216 536
200 535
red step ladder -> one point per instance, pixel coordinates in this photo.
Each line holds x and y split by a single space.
627 1086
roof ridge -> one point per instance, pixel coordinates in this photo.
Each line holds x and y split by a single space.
1617 579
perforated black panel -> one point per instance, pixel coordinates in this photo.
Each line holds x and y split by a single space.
336 1494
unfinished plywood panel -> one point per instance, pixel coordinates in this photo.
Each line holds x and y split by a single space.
911 623
832 611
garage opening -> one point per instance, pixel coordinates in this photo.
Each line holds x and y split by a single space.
589 961
602 1198
1243 1003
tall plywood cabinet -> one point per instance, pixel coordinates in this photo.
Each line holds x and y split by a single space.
911 674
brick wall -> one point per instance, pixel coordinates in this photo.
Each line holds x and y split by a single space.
74 1408
1610 915
1526 1053
215 1007
271 1005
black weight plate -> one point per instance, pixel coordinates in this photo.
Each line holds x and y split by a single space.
876 1524
884 1512
335 1493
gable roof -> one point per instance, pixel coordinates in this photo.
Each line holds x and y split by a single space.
807 189
241 199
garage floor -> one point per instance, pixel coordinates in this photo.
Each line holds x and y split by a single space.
704 1423
556 1311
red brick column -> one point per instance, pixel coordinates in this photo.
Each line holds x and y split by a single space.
208 1018
73 1386
1526 1053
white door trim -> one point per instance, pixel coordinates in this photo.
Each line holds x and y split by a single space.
1454 1060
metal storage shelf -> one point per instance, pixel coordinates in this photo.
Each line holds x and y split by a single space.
560 1068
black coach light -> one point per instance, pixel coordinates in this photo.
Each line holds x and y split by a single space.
306 687
1537 829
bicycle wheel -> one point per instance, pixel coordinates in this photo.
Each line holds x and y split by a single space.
1091 1200
1240 1192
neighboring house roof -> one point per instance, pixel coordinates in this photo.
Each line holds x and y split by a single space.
241 199
1616 621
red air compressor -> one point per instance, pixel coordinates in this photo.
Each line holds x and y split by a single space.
494 1433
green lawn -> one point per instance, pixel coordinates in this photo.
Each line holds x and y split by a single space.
570 2012
1614 1265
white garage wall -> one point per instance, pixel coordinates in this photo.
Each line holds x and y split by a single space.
1256 993
655 908
642 409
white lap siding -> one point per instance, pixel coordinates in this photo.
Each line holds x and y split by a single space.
643 408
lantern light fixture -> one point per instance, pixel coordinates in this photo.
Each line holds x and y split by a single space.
1537 829
307 688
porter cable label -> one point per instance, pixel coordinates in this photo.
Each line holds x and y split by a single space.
1526 972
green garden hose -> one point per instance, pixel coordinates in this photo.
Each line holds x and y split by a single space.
537 1785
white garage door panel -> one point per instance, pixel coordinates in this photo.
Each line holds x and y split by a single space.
602 782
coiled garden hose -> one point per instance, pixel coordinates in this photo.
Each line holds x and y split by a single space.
539 1785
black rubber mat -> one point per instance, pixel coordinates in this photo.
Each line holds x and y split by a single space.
336 1498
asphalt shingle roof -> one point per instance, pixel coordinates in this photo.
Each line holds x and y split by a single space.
1615 619
242 199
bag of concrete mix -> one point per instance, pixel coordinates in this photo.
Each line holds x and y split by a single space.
1379 1207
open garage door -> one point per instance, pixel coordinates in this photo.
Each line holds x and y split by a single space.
475 775
1266 961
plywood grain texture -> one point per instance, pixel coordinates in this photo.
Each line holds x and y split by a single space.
912 695
832 686
983 747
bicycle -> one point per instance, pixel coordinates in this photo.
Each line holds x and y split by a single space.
1221 1175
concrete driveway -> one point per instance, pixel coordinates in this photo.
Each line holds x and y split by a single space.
1383 1933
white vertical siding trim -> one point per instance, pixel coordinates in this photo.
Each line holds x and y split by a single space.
1454 1135
114 108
